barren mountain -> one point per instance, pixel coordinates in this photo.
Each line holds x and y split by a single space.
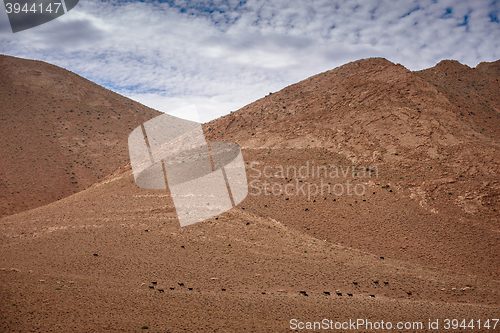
59 133
432 136
413 237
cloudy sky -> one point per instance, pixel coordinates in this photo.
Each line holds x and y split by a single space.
222 55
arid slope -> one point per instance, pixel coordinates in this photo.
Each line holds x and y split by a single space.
113 258
431 135
59 133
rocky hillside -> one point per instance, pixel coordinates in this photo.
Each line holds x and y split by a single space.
439 126
59 133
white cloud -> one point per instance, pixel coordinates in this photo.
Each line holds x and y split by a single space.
223 55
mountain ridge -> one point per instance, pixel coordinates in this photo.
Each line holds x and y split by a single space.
391 116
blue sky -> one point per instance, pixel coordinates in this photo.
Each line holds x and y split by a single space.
222 55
